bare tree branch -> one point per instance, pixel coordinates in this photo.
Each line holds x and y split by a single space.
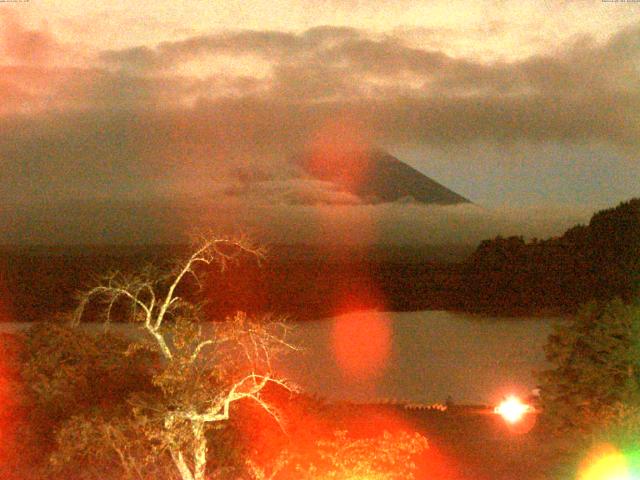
242 344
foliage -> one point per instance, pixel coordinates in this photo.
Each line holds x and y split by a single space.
596 360
614 239
388 457
49 374
384 457
147 406
624 429
69 370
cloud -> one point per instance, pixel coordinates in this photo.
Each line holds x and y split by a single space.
170 120
265 43
23 45
581 64
293 191
172 220
583 91
147 151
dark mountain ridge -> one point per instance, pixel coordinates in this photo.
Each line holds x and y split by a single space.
376 176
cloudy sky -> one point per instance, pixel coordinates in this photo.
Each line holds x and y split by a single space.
136 122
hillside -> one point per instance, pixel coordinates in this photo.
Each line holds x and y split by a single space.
600 260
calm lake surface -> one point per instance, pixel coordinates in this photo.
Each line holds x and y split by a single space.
413 356
430 355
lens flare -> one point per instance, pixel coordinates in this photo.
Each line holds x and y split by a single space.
512 409
606 463
362 343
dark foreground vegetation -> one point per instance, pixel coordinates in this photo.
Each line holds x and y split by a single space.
503 276
58 437
177 402
67 414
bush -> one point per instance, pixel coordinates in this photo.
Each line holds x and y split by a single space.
595 374
389 456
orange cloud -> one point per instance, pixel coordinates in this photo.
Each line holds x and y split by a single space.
24 46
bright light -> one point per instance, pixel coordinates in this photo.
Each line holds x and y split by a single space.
608 464
512 409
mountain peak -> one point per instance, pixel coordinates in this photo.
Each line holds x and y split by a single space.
376 176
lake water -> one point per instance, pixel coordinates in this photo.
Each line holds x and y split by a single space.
414 356
430 355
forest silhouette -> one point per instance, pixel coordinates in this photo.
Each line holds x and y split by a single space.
509 276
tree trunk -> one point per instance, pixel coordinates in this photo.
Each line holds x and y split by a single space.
183 468
200 456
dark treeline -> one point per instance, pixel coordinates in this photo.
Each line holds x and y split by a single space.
598 261
505 276
300 280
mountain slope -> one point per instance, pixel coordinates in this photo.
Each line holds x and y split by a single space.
376 176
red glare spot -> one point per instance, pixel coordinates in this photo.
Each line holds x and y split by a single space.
338 153
361 343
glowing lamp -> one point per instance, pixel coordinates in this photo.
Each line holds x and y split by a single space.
512 409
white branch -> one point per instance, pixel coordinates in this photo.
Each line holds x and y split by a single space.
199 348
241 335
221 411
196 256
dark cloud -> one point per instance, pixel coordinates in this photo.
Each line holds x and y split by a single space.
355 55
313 82
328 33
111 150
437 120
265 43
142 58
387 56
132 126
327 45
271 45
583 92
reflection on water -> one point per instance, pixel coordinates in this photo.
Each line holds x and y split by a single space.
434 354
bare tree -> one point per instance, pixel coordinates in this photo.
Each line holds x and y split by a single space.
201 373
